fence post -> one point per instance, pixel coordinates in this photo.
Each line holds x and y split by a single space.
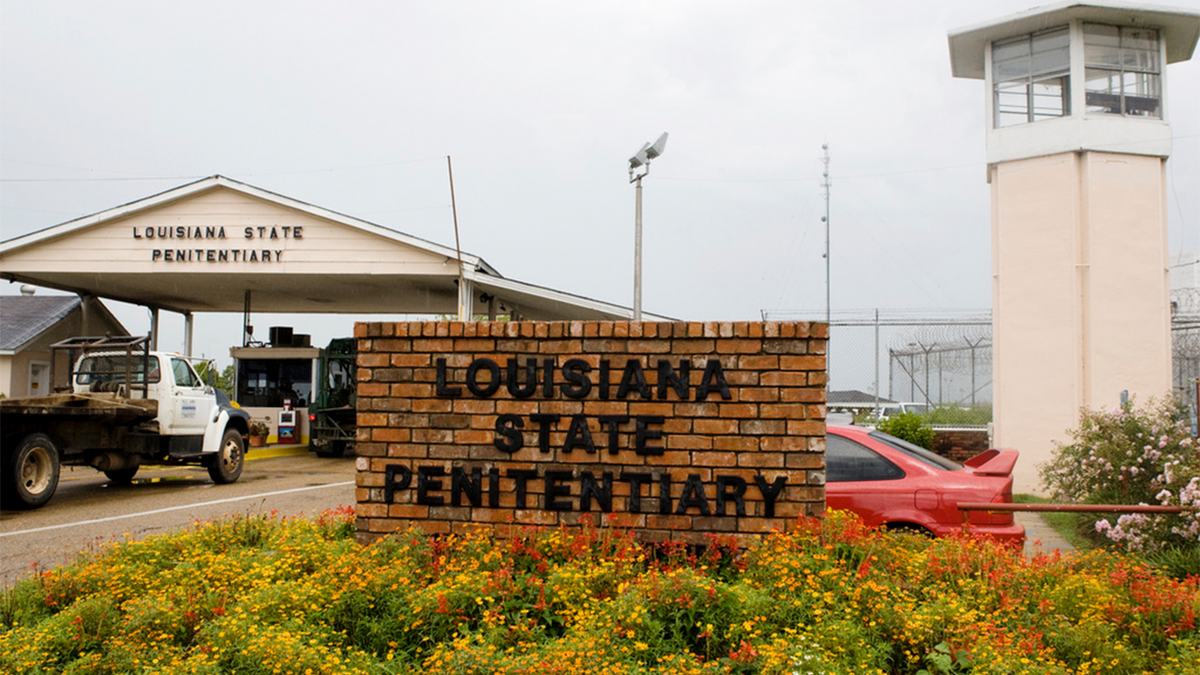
877 360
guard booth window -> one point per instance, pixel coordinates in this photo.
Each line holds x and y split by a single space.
265 383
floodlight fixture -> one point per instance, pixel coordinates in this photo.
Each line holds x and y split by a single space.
659 146
647 152
642 158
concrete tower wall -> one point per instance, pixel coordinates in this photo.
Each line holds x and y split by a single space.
1080 293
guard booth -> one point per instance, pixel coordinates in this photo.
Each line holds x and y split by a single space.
273 382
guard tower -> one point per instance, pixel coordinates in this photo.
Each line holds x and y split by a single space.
1077 141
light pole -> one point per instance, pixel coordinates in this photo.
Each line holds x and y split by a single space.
641 159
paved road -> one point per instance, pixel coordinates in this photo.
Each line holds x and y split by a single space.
88 510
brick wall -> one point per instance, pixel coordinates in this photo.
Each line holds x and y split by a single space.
960 444
718 427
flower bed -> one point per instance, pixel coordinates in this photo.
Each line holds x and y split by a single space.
276 596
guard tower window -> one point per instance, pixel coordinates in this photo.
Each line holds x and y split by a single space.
1123 70
1031 77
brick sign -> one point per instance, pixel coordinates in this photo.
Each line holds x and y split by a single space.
674 429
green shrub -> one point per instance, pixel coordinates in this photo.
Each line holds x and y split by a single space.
1176 561
909 427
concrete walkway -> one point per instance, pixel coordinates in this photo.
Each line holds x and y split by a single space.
1040 537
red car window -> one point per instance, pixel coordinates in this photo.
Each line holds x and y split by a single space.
916 452
847 460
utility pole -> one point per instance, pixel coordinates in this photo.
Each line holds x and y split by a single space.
828 314
462 283
825 194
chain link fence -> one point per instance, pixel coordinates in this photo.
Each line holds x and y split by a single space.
943 359
919 359
1185 340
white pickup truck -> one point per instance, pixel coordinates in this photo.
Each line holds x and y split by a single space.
126 407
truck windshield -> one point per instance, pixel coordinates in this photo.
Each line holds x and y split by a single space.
340 382
111 368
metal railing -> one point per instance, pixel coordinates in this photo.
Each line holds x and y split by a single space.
131 355
967 507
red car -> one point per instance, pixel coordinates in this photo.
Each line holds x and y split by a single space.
891 482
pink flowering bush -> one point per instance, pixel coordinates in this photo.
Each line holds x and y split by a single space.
1132 456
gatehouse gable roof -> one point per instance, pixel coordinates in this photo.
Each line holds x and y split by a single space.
219 181
220 245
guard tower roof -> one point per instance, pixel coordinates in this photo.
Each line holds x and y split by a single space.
1179 28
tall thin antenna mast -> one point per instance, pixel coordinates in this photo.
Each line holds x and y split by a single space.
462 290
825 184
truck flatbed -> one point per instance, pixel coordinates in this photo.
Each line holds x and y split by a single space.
105 406
127 406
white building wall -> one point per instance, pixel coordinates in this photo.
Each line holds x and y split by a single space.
6 382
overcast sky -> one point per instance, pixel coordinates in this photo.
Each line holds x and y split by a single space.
354 106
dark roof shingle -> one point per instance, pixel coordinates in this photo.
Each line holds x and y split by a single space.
24 317
853 396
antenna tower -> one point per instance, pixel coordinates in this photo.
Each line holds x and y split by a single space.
825 184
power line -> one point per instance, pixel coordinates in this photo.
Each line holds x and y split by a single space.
819 179
96 180
148 178
691 179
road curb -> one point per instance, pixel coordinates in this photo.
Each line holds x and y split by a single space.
275 451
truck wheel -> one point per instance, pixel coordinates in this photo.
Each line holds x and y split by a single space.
226 467
121 475
332 449
31 473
